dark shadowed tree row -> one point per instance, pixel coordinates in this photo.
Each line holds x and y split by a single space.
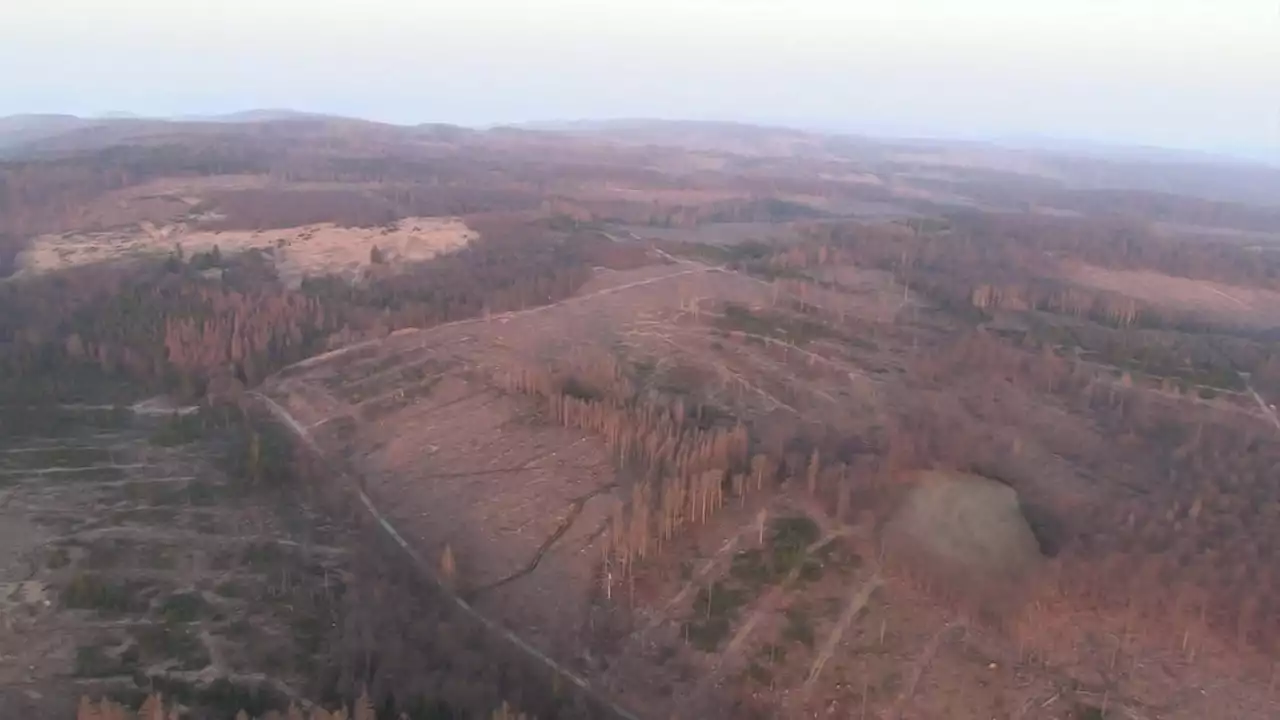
168 326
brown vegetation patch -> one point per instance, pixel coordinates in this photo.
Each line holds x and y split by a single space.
518 440
590 472
653 194
1227 303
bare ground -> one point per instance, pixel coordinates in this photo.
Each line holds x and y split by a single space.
457 461
145 560
299 251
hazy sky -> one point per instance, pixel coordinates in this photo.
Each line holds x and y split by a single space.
1184 73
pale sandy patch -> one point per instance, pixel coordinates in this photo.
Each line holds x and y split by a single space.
860 178
318 249
611 191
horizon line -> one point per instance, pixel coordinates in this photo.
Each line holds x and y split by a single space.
1026 141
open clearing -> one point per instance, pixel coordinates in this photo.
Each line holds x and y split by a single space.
297 252
794 614
455 460
169 573
1215 300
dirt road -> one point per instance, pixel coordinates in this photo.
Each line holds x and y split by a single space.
500 317
425 567
1267 409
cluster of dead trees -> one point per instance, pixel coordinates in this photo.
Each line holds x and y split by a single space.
1109 308
687 461
685 467
1173 359
168 326
1000 248
983 265
1198 540
161 328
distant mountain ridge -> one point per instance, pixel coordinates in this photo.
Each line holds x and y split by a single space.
35 129
1082 165
256 115
16 129
27 126
19 129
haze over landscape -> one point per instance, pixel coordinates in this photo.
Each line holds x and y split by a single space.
1198 75
698 360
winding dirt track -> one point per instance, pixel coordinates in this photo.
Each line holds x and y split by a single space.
425 568
1267 409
